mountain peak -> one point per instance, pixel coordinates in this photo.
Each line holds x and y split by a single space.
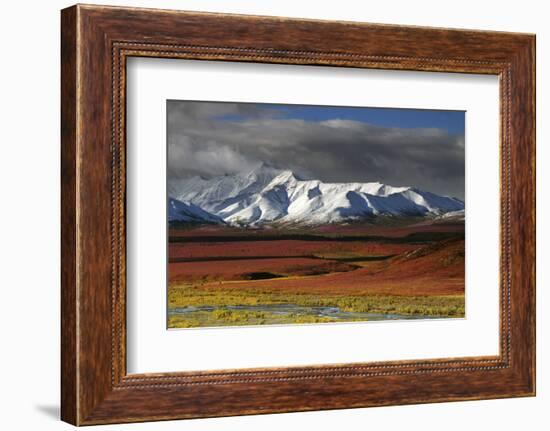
285 176
263 170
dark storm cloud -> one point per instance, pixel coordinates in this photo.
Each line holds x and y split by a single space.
217 138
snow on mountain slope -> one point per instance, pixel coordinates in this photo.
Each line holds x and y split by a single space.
187 212
453 215
218 193
268 194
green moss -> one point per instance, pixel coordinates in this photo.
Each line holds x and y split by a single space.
189 295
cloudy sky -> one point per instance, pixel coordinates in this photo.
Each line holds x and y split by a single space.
399 147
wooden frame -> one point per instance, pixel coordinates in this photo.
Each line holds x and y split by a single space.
96 41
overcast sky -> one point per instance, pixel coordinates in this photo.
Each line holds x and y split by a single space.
399 147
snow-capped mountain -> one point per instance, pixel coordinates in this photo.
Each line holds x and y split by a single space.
267 194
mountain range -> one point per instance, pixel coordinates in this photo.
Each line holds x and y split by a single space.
269 195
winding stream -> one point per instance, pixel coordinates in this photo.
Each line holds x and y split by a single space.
283 310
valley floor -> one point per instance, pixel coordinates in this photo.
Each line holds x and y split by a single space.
231 277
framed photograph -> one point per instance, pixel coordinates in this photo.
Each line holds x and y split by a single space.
267 215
